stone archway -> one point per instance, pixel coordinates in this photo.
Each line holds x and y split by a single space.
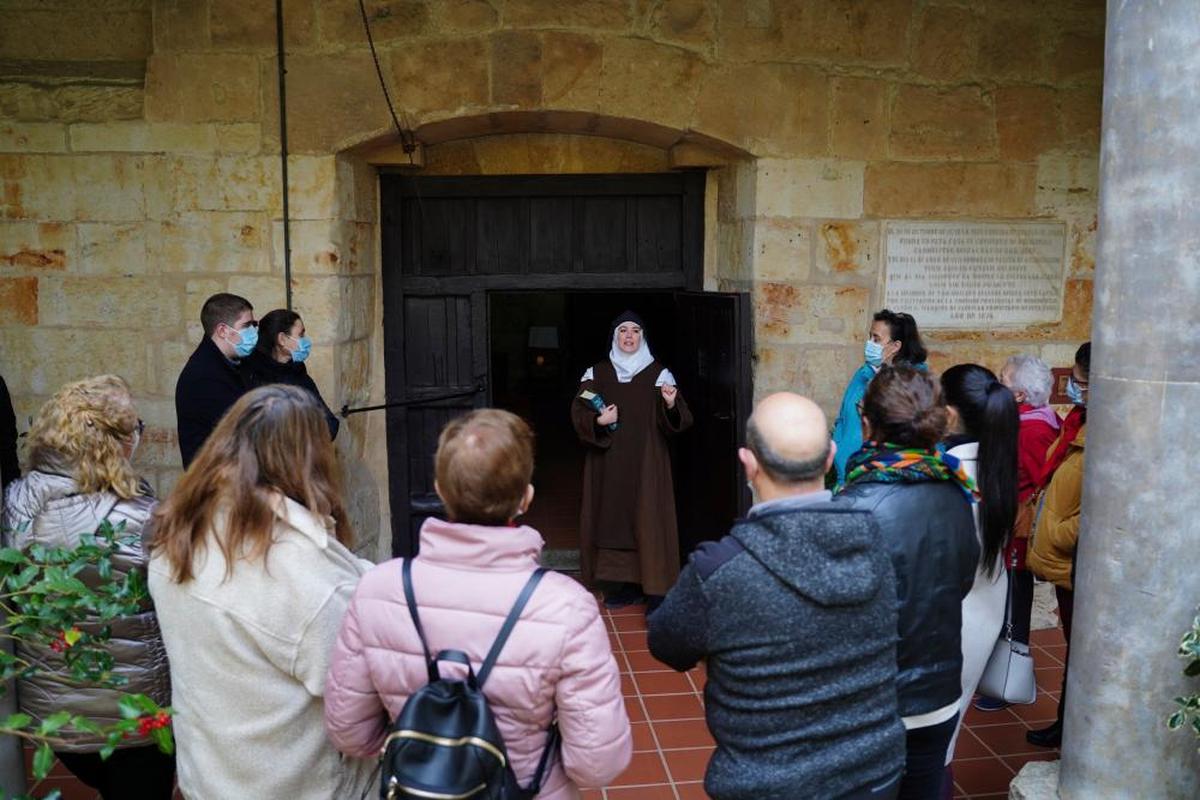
346 258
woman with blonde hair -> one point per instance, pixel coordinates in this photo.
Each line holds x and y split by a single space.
79 477
251 573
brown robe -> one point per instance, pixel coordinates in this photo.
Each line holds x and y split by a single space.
627 527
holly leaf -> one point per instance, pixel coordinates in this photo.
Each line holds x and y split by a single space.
163 738
136 705
11 555
16 722
43 760
54 722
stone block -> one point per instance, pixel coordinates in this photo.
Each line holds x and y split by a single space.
19 301
77 353
143 137
1026 122
243 138
782 250
172 355
942 123
464 16
819 373
859 124
1067 184
331 304
1078 58
768 109
158 414
263 291
354 376
76 33
1037 780
322 247
516 69
944 354
848 250
32 137
113 249
115 301
571 73
684 22
606 14
159 448
946 47
180 25
203 241
341 23
71 103
358 190
842 31
448 76
313 191
95 188
225 183
237 25
329 99
202 88
1079 111
36 246
791 314
668 99
165 481
953 190
1012 48
809 188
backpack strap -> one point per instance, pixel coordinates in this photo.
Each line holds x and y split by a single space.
511 622
411 599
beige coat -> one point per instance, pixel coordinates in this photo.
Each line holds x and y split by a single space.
248 662
1057 532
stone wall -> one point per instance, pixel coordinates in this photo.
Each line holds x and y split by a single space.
139 159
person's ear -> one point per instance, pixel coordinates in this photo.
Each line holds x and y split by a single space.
438 491
865 424
749 463
830 457
526 501
953 420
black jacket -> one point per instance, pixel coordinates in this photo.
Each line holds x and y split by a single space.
208 385
929 530
265 370
10 467
795 612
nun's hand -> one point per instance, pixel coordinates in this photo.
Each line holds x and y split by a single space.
608 416
668 394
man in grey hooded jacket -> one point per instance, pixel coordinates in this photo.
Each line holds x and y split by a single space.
795 613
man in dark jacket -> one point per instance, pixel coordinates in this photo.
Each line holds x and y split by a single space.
10 467
214 377
795 612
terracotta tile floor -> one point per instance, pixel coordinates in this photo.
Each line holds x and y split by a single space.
672 744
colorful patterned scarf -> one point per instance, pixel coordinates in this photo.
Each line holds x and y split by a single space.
890 463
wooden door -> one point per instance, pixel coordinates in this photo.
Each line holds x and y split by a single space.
714 373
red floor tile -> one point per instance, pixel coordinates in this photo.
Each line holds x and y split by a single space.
688 765
631 622
1048 678
1006 740
1016 762
663 683
679 734
1044 710
640 661
628 687
659 792
1050 636
644 768
633 707
643 738
976 717
673 706
691 791
982 775
969 746
634 640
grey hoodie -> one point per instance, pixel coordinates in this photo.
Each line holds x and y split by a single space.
795 612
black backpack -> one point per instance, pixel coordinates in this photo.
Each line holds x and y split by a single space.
444 743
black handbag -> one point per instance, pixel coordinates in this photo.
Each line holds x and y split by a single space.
444 743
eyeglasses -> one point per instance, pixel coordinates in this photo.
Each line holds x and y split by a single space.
140 427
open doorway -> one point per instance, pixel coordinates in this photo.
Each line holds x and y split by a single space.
541 342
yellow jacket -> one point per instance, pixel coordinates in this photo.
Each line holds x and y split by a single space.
1057 530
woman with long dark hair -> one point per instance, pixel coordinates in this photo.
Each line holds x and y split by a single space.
982 435
921 499
283 347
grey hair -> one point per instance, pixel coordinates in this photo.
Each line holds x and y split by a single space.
782 469
1032 376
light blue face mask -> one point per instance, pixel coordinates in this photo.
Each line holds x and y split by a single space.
303 349
874 353
249 339
1075 393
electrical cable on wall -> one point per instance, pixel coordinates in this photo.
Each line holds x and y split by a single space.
283 154
407 140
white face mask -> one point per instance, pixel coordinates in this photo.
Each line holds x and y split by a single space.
873 352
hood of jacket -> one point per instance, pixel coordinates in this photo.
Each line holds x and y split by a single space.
822 552
480 547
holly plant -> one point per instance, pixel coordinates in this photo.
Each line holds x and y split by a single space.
1188 711
47 603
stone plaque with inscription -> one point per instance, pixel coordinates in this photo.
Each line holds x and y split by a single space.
976 274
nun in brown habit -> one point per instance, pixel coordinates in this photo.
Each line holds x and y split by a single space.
629 543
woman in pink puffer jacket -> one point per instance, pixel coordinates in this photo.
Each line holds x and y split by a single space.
469 572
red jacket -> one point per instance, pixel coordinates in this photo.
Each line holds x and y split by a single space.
1038 432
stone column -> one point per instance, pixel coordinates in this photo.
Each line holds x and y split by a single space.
1137 584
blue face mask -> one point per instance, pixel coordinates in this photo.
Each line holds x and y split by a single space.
1075 393
303 349
874 353
249 339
